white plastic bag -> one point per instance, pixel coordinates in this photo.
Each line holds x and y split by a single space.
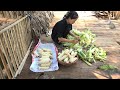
54 66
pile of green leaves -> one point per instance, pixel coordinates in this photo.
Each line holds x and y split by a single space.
87 50
92 54
86 38
107 67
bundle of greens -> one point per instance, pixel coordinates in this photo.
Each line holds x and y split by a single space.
86 38
100 54
107 67
87 50
90 55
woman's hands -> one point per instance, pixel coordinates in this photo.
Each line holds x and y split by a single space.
77 37
67 40
74 41
77 40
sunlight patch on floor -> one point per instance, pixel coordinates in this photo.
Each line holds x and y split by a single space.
100 75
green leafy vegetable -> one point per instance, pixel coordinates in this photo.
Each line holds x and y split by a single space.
86 49
107 67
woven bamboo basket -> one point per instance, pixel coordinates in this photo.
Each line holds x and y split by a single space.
68 64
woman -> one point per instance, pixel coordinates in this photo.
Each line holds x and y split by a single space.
63 28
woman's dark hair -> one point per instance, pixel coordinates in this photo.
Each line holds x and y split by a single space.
71 14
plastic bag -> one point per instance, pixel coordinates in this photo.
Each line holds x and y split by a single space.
54 66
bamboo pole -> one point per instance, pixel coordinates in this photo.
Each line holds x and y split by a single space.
10 43
11 14
18 47
19 41
29 33
21 47
7 56
14 46
22 36
26 30
1 73
5 65
23 61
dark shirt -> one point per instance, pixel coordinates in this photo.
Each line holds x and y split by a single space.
61 29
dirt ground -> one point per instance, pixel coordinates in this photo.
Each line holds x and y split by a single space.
108 39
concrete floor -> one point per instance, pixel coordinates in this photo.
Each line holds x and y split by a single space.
108 39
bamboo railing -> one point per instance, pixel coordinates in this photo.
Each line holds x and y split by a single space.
15 41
